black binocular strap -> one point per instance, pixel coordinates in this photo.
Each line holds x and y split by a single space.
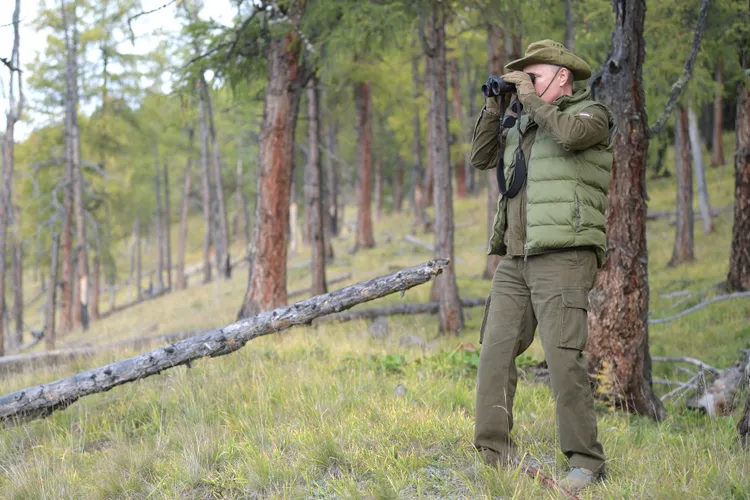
519 170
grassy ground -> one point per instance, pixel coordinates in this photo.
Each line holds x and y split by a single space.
331 412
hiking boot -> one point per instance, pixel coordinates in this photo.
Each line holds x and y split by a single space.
578 479
493 459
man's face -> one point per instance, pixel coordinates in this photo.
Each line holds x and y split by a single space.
545 73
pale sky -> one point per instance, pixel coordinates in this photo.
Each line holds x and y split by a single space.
33 43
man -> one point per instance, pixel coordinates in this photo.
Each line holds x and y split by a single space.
551 233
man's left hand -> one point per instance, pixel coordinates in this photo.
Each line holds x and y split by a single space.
523 83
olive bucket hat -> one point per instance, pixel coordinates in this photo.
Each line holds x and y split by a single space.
552 52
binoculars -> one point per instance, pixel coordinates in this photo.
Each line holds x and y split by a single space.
497 86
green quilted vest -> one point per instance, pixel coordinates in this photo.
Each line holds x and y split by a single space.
566 190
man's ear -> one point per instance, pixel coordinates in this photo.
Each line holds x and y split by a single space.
564 77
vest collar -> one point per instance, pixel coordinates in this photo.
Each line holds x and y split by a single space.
564 101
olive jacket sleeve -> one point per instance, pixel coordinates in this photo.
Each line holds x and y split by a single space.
485 143
575 132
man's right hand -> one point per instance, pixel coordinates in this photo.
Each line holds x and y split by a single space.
493 105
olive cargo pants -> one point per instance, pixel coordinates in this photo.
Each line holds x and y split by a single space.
549 290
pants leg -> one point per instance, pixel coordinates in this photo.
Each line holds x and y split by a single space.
507 331
559 283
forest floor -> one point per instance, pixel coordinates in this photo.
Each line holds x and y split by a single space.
335 412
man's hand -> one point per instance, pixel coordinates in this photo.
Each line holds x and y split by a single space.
523 83
493 105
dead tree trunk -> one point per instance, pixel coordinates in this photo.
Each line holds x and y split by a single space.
40 401
137 233
618 304
570 26
700 172
418 172
378 187
458 115
158 226
365 238
17 265
451 312
49 333
97 288
267 281
221 240
683 251
181 281
398 186
313 189
739 259
206 198
496 48
167 228
332 176
717 149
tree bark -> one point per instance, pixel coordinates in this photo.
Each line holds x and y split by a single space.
167 227
207 198
429 174
221 240
241 200
683 251
17 264
49 333
398 186
458 115
293 226
470 73
365 238
618 305
418 180
496 51
570 26
181 281
158 224
332 177
700 172
267 281
97 288
717 150
40 401
739 259
313 190
451 312
378 187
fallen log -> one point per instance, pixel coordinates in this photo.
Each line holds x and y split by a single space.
689 310
717 398
376 312
39 401
662 214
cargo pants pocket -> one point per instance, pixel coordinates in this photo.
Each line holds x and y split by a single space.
574 318
484 318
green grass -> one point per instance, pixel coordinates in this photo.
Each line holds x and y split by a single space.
314 412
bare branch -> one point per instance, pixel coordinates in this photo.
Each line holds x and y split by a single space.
703 304
692 361
144 13
687 72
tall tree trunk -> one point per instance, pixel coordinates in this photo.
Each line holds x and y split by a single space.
570 26
378 187
267 282
683 251
314 190
49 334
223 255
181 282
293 226
418 180
700 172
17 260
242 209
159 224
618 305
137 232
95 295
469 70
429 175
496 52
739 259
398 186
167 227
207 198
451 312
717 149
365 238
458 115
332 176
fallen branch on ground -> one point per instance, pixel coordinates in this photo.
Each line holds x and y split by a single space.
39 401
738 295
718 397
690 384
682 359
663 214
376 312
546 481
